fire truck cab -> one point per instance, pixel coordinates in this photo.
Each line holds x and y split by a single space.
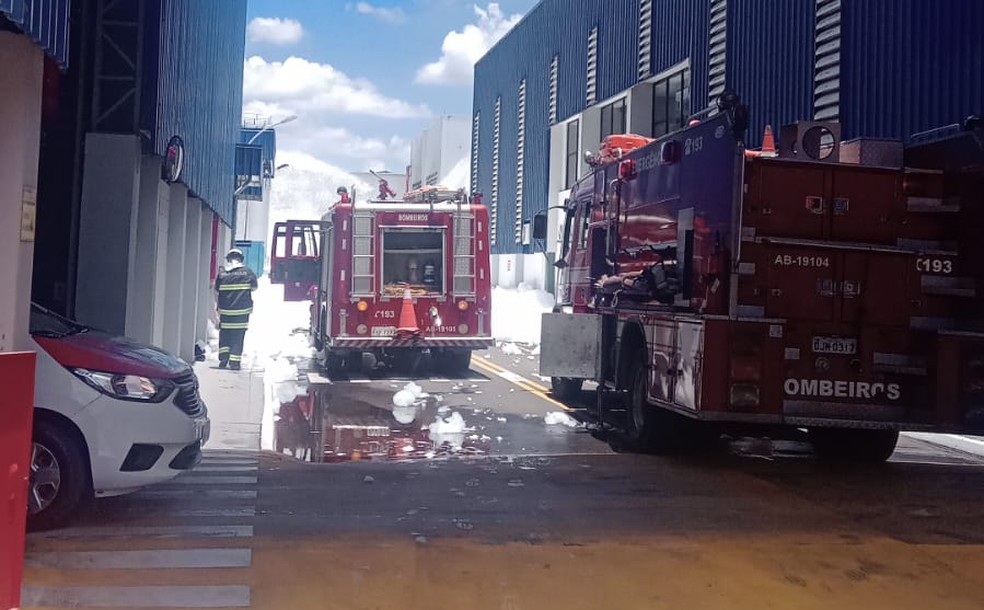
831 286
402 278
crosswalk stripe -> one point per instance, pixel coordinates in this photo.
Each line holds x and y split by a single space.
139 560
179 492
223 596
230 462
151 531
213 480
223 469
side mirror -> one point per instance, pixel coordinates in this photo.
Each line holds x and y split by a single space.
540 226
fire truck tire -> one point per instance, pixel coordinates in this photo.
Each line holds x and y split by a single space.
566 388
455 362
854 445
649 429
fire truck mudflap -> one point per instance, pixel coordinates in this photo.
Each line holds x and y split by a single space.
578 355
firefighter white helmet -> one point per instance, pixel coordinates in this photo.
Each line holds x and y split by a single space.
235 255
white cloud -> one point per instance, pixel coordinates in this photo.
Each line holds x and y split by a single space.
461 49
306 88
342 146
392 15
274 30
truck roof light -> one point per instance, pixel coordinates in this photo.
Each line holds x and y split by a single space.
627 169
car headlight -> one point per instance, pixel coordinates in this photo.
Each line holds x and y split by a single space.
126 387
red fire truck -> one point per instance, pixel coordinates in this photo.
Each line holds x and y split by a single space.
829 286
400 278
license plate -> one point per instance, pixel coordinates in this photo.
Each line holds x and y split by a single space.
383 331
203 428
835 345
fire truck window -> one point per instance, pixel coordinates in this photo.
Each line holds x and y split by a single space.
585 220
280 242
413 257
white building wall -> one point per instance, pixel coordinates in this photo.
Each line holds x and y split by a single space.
20 107
438 149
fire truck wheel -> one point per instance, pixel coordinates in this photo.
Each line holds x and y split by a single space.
454 362
405 360
565 388
854 445
648 429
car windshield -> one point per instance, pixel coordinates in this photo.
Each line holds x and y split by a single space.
49 324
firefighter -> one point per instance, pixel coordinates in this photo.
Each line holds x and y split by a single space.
235 299
430 274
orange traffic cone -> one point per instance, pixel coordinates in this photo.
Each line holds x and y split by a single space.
408 317
768 142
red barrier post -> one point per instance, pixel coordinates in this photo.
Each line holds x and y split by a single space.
16 415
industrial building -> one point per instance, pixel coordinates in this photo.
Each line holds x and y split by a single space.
129 128
564 78
440 151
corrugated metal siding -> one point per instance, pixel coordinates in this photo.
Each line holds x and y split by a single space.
771 60
910 65
199 93
46 21
680 30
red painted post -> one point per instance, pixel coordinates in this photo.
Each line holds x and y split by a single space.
16 415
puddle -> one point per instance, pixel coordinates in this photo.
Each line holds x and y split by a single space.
398 420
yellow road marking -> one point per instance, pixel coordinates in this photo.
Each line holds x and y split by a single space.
517 380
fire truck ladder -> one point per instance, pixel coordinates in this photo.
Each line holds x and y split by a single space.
363 255
463 283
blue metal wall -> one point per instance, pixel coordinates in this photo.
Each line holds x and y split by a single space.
906 66
199 93
910 65
46 21
770 61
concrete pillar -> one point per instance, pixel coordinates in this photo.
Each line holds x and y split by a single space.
205 294
160 274
20 113
174 285
141 309
189 296
107 230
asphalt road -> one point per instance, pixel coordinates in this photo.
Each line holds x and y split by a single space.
514 513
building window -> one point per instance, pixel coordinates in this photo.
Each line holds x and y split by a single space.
613 118
645 37
554 69
494 205
592 67
717 51
573 158
520 158
671 103
476 123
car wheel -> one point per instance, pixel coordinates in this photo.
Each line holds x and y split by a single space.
58 487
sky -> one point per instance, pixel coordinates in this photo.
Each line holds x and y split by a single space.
363 78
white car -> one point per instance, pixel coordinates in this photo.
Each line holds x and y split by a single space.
110 416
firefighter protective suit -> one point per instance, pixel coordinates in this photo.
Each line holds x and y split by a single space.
234 286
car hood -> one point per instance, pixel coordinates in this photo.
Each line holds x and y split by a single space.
99 351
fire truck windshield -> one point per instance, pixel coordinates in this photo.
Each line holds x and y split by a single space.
413 257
